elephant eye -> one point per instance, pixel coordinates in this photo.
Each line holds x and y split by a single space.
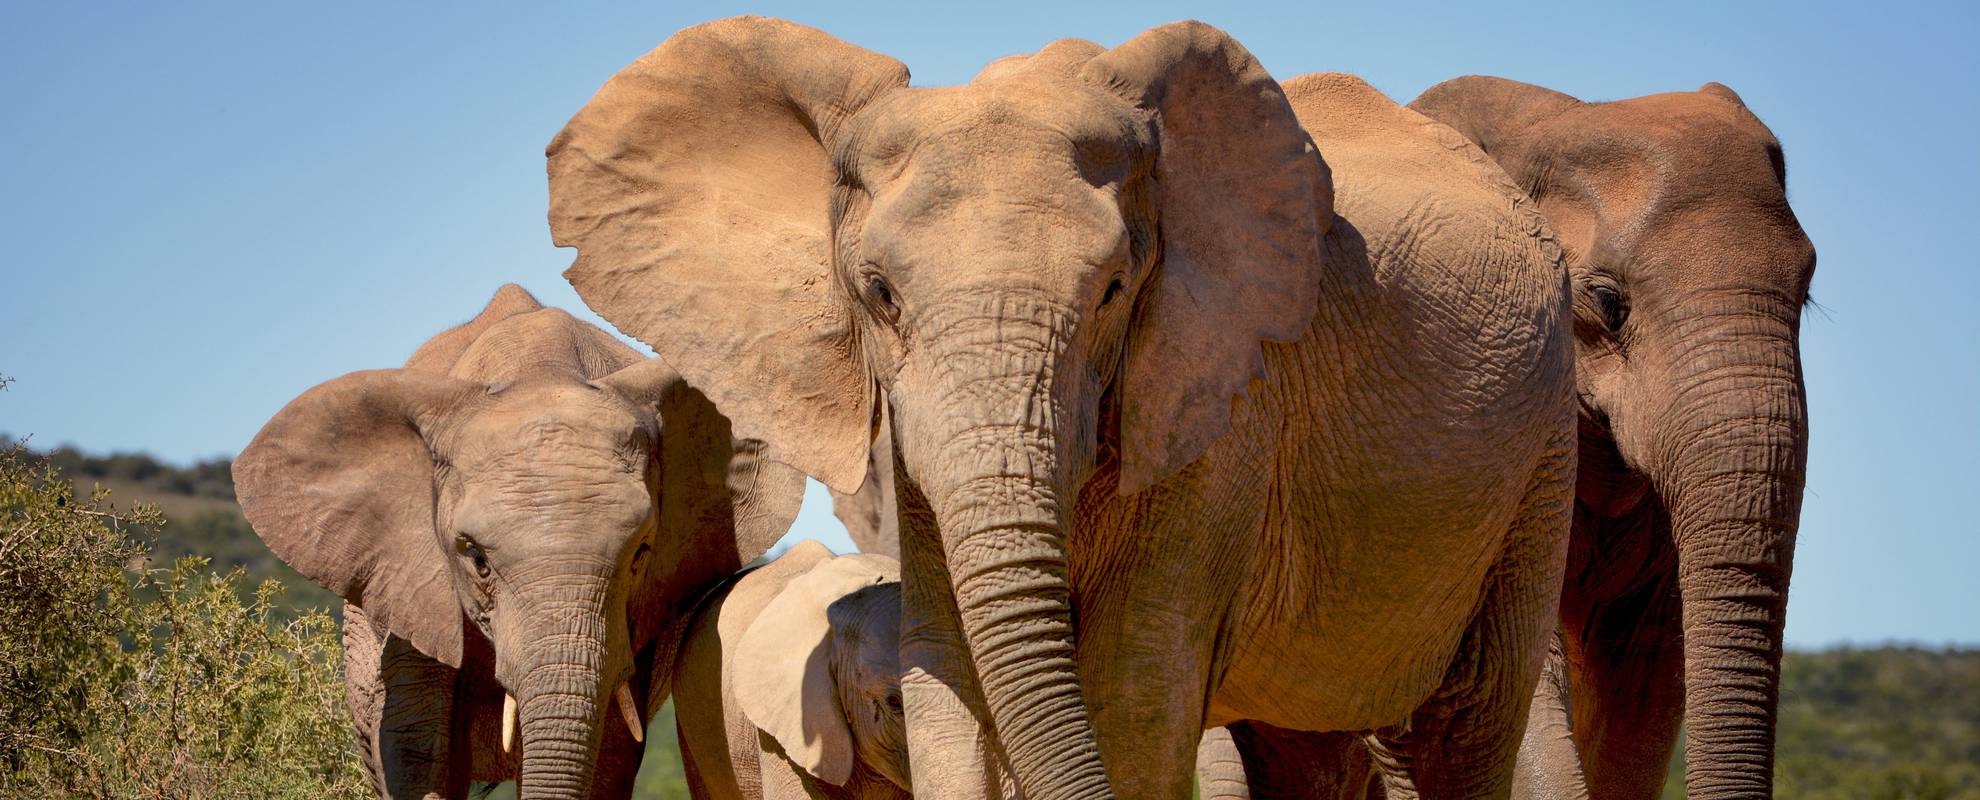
1114 289
1610 303
894 702
473 551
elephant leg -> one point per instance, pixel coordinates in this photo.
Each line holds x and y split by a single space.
1549 765
416 726
1625 659
948 726
619 755
364 691
1464 739
618 761
1301 765
1220 768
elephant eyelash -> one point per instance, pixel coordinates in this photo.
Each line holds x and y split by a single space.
1613 308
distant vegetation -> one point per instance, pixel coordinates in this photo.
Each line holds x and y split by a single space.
1889 723
126 671
203 518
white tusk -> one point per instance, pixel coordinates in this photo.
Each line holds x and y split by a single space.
508 722
630 711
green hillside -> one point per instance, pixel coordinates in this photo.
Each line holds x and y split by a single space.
1876 724
201 516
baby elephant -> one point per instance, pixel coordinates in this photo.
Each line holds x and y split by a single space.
517 519
788 683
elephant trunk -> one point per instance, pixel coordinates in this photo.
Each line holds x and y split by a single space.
1737 462
999 446
563 698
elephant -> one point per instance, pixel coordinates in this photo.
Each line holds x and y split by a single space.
788 684
518 519
868 512
1690 274
1291 439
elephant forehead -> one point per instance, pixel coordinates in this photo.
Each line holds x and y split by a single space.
563 429
997 119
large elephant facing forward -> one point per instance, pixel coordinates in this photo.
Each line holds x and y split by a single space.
1289 448
519 520
1689 274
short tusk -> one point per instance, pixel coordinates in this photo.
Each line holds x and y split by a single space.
630 710
508 722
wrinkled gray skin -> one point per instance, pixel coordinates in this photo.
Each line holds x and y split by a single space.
1057 278
529 507
1689 272
788 685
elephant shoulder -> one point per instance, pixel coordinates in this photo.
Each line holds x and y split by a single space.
1421 193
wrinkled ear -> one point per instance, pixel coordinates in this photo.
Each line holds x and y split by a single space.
340 485
1243 198
1490 111
869 514
696 187
721 501
783 672
440 353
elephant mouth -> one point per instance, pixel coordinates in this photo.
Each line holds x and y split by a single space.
624 702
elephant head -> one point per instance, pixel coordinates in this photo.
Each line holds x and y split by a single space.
1079 252
1689 274
818 670
529 480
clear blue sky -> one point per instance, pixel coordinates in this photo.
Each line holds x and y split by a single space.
209 208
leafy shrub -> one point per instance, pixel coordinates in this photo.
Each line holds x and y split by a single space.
121 680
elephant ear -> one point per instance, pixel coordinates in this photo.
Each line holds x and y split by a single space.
1491 112
696 187
1244 199
721 503
869 514
340 485
783 665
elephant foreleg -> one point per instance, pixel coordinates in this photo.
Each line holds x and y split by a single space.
1625 659
948 726
364 691
1220 768
1549 765
415 713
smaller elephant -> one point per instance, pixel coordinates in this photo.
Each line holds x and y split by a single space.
518 520
787 685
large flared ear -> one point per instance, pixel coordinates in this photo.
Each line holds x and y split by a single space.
868 514
440 353
783 665
696 187
1244 199
340 485
1491 112
721 501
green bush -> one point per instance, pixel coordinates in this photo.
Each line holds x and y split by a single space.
118 679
